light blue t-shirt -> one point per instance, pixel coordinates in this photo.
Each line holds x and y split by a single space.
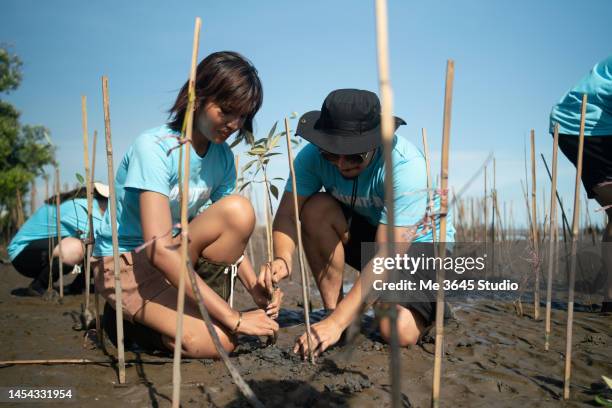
410 186
43 224
147 166
597 85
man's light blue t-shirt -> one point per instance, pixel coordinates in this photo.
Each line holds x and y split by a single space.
410 186
147 166
597 85
43 224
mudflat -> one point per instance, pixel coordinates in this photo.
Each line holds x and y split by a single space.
492 358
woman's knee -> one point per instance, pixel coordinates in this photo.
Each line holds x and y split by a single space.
72 251
238 214
200 345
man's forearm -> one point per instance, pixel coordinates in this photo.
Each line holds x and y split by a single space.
285 237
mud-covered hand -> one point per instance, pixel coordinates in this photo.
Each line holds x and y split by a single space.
256 323
271 273
262 299
325 334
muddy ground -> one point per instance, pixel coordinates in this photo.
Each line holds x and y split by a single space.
492 358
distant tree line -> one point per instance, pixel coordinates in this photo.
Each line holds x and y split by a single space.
24 151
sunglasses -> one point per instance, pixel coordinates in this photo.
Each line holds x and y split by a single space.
357 158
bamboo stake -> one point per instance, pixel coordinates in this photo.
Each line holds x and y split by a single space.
88 188
99 331
184 177
485 220
58 223
448 98
50 239
115 238
59 361
534 232
298 228
429 186
33 197
387 130
554 232
494 210
575 228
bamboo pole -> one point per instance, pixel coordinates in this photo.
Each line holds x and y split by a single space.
33 197
115 238
485 220
50 239
575 228
554 232
58 223
88 189
99 332
534 233
493 212
298 228
184 178
448 98
387 130
430 205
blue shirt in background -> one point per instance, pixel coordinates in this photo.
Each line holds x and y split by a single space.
597 85
147 166
410 186
43 224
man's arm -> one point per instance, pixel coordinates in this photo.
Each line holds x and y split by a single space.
327 332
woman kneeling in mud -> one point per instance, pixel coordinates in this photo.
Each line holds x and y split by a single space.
228 94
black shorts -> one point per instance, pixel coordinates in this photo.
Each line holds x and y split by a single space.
596 158
33 260
362 231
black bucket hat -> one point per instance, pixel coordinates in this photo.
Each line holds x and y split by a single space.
348 122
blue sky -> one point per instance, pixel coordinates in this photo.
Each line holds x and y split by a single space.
513 61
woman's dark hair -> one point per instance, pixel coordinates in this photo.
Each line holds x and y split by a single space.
227 79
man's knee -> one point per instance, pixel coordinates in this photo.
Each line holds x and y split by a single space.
321 210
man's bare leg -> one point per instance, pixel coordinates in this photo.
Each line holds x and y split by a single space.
325 229
603 195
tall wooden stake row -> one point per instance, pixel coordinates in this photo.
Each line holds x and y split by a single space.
184 176
448 100
554 232
572 279
113 213
534 233
387 128
298 228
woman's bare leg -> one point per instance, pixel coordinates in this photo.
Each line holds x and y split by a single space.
220 234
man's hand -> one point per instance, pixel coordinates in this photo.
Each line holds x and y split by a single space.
325 334
271 273
262 300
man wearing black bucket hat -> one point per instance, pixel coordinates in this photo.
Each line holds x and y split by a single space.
344 157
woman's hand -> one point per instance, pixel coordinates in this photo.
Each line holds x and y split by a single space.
262 300
271 273
257 323
325 334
